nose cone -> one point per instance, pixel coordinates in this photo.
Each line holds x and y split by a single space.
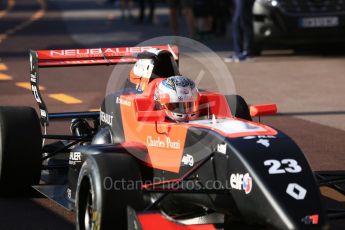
273 184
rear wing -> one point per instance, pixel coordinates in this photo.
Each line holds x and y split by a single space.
81 57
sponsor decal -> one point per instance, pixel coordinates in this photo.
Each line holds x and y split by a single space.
35 92
123 102
260 137
106 118
98 52
69 193
188 160
263 139
241 182
264 142
74 157
33 78
165 143
310 219
296 191
89 61
221 148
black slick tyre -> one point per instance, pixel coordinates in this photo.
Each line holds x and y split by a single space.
20 149
106 187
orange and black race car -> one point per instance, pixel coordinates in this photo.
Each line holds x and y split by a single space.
130 167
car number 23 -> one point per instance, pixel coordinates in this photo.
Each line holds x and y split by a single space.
283 166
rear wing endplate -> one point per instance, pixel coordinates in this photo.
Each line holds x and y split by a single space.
81 57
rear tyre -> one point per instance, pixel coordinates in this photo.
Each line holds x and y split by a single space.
20 149
238 107
106 186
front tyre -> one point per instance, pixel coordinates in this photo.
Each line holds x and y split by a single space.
107 184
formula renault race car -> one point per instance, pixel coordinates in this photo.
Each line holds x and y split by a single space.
129 167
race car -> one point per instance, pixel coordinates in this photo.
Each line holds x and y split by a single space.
130 167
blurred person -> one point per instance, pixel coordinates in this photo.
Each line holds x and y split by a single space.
220 13
203 15
242 30
126 9
142 6
111 1
2 4
187 10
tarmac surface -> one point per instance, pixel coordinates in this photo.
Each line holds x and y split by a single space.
307 84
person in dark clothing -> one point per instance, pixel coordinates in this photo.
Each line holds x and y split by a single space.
242 30
186 6
142 5
126 9
220 13
203 10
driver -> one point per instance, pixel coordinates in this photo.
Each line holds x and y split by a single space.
178 97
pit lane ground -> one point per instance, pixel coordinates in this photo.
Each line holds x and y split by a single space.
307 85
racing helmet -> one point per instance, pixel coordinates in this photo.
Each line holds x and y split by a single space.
179 97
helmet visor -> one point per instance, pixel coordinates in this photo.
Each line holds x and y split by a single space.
182 107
